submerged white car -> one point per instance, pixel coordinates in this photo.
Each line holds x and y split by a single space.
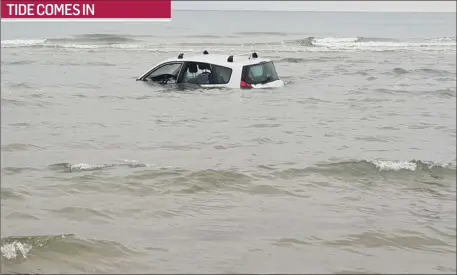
208 70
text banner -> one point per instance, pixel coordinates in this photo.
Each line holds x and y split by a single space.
86 9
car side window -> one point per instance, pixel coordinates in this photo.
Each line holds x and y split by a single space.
197 73
204 73
171 68
221 75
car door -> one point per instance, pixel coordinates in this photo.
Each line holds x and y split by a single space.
220 76
195 73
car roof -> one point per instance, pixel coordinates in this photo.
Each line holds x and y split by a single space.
219 59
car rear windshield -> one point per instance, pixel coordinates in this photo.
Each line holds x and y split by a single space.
260 73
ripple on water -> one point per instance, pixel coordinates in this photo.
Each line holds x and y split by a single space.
406 239
16 193
82 213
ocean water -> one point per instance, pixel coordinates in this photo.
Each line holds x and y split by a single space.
349 168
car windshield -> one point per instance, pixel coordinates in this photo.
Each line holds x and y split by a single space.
171 68
260 73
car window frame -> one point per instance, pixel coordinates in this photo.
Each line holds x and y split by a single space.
212 65
230 77
186 66
246 69
148 74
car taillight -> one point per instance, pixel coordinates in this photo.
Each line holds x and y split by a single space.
244 85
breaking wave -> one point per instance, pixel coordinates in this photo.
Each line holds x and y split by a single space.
414 165
148 179
370 166
374 39
371 43
71 249
381 165
138 42
79 167
104 39
261 33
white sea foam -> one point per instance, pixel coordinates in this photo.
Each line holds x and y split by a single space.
325 44
394 165
385 165
10 251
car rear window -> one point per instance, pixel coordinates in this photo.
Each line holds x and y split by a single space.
260 73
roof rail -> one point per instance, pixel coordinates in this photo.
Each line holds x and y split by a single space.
180 56
230 58
205 52
251 55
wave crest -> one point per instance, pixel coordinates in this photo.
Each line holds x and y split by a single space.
374 39
12 250
385 165
81 167
102 41
367 167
